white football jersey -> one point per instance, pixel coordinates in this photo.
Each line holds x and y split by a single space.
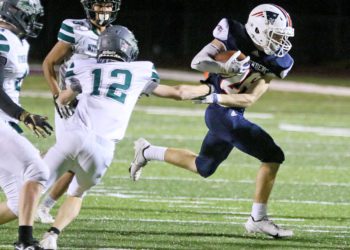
82 36
109 93
15 51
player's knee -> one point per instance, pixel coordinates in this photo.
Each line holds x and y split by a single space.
206 166
276 155
37 171
12 204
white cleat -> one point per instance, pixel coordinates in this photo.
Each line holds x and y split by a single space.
139 161
43 215
49 241
268 227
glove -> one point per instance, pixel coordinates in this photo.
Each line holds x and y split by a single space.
73 104
64 111
234 66
37 123
208 99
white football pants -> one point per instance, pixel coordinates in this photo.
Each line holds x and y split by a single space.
20 162
83 153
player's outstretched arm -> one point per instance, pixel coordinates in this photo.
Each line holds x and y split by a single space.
60 51
181 92
251 95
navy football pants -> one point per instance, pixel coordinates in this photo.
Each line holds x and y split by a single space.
228 129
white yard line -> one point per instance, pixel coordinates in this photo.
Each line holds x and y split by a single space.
324 131
205 200
276 85
157 178
240 221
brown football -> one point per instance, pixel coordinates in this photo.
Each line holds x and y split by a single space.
224 56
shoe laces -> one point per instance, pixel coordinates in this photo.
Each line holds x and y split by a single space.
265 218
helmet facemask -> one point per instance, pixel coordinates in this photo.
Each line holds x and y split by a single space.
278 41
101 17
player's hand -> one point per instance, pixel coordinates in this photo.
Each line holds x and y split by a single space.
208 99
37 123
64 111
235 66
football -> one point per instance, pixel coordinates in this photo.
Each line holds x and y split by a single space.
224 56
236 83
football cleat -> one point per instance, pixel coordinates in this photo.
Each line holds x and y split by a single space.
32 246
43 215
268 227
49 241
139 161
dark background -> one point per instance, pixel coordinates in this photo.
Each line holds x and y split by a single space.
171 32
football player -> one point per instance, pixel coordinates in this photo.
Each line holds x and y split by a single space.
265 40
108 90
76 39
22 171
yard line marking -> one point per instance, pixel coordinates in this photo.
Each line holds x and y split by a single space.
343 229
229 209
174 201
326 184
276 84
160 199
324 231
248 214
191 112
324 131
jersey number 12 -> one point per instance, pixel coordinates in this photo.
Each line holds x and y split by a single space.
113 87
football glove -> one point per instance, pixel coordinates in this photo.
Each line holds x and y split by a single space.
234 66
64 111
37 123
208 99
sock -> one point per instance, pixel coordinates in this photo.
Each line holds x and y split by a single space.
49 202
259 211
25 234
54 230
154 153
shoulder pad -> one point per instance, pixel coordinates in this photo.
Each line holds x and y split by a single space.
4 43
221 30
68 27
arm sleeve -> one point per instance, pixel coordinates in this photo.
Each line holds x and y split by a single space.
66 32
6 103
221 30
204 61
71 79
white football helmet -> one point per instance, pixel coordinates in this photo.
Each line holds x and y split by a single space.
270 26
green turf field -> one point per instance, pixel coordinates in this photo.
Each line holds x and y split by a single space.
170 208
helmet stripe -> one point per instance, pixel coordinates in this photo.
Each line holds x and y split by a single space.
290 24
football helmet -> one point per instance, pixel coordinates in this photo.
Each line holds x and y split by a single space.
270 26
103 18
23 14
117 43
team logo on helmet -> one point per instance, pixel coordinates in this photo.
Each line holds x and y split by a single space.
271 17
31 7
